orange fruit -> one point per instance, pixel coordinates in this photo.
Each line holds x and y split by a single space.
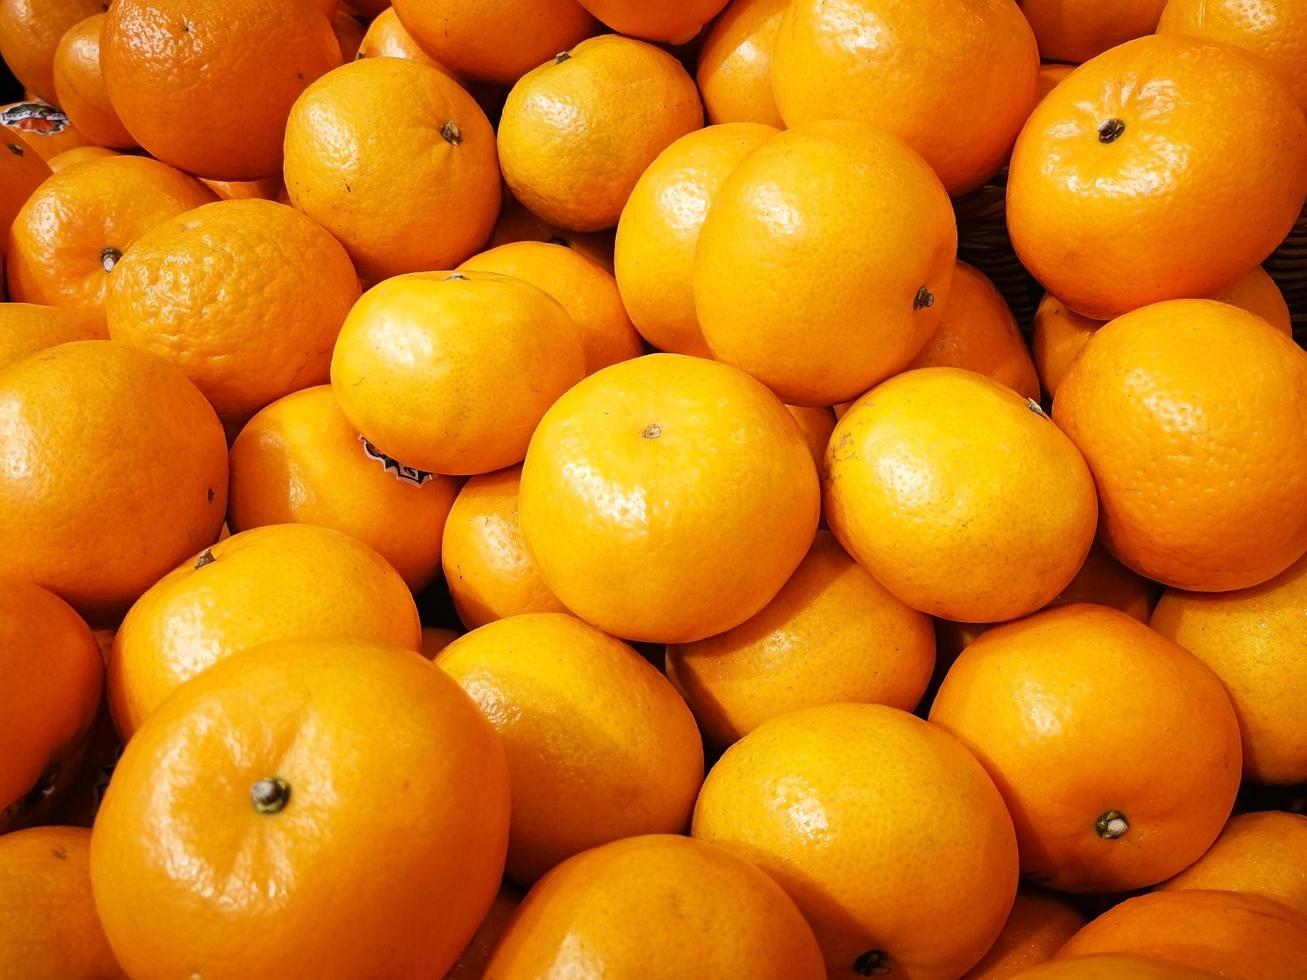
1233 934
29 34
1190 415
959 496
584 289
116 469
1179 133
489 572
572 922
1273 30
499 41
472 961
349 35
263 189
653 254
734 73
430 367
1256 642
258 826
1116 750
282 582
626 101
846 289
978 332
73 230
48 926
832 634
21 172
953 81
1060 335
599 745
1259 853
299 461
184 290
52 680
673 22
516 224
853 807
79 84
1105 581
1050 75
80 154
172 68
667 498
1112 966
1037 927
26 328
816 424
386 37
420 192
434 640
1077 30
44 128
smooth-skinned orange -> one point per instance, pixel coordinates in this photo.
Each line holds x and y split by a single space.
29 35
21 172
675 23
653 253
1191 416
280 582
734 73
1038 926
667 498
851 807
299 461
577 918
26 328
1077 30
1259 853
386 37
81 154
1177 132
116 470
450 372
599 745
349 34
845 288
626 101
80 86
255 827
832 634
1112 966
1116 750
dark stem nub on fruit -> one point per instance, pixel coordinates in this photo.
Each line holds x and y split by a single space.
458 276
652 431
452 134
109 258
1037 408
270 795
15 149
872 963
561 57
924 299
205 558
1111 130
1111 825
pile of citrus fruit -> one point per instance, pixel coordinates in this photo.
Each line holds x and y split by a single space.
527 489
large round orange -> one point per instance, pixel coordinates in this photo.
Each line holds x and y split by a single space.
48 926
1060 335
626 101
116 469
1176 134
324 809
653 254
1116 750
499 41
676 22
1191 416
668 498
73 230
853 807
832 634
21 172
1077 30
80 85
960 496
489 572
299 461
955 81
1261 853
420 192
451 371
978 332
586 290
1038 926
29 34
281 582
1233 934
26 328
735 61
701 911
1273 30
52 680
822 288
246 297
599 744
44 128
1256 641
1112 966
206 85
